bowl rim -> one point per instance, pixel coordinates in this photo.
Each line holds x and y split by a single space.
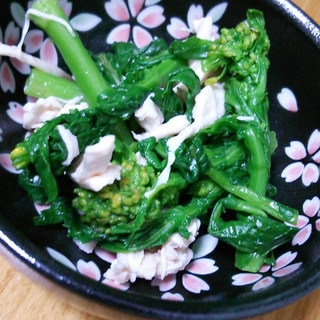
50 270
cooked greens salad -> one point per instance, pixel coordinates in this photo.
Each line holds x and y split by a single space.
139 149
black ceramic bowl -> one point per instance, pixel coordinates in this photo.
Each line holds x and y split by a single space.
219 291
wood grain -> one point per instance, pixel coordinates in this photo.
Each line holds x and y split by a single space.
23 299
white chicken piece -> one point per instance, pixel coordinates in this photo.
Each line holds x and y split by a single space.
149 115
71 143
203 30
95 169
167 129
172 257
209 106
150 118
37 113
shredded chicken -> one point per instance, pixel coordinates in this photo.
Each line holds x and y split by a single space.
37 113
172 257
95 169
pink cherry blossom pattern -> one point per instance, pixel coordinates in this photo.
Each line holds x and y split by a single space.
267 275
172 296
311 208
48 52
40 207
17 13
104 254
141 36
66 6
146 15
7 80
23 68
5 163
194 284
116 285
317 224
15 111
85 22
33 41
307 160
178 29
287 100
166 284
89 269
62 259
12 34
10 37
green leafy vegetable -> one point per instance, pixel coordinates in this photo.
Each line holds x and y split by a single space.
220 174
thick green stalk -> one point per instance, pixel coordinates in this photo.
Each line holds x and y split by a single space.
41 84
69 44
271 207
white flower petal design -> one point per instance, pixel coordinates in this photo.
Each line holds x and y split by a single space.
15 112
12 34
310 174
33 40
202 266
7 80
204 245
18 13
135 6
296 150
23 68
292 172
116 285
263 283
151 2
48 52
302 236
284 260
316 157
85 21
89 269
40 207
317 224
141 37
104 254
243 279
117 10
56 255
217 11
314 142
287 270
287 100
195 12
166 284
194 284
119 33
172 296
151 17
5 162
311 206
178 29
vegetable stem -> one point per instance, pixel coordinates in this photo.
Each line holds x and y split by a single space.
41 84
272 207
77 58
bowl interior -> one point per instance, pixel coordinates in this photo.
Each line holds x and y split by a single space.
224 292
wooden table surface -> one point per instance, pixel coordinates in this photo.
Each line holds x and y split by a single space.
22 299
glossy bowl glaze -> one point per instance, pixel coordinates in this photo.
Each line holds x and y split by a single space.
219 291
